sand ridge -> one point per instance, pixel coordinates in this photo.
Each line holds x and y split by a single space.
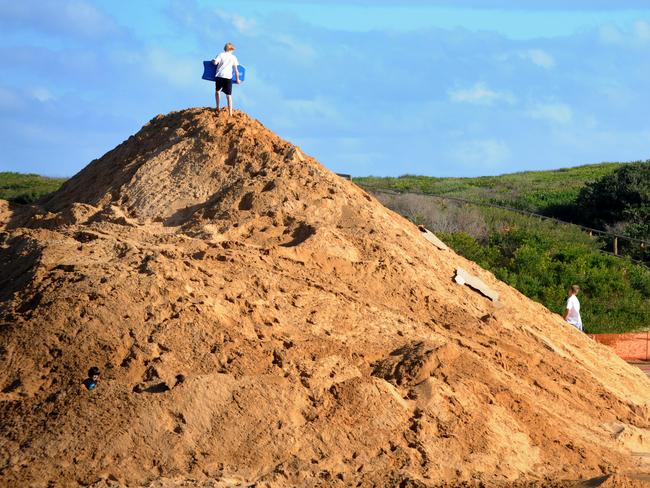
260 320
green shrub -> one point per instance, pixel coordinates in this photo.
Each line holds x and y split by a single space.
26 188
615 295
542 259
551 193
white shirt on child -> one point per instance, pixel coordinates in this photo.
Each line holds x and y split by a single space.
573 317
225 63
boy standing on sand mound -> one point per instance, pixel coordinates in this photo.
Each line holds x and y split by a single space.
226 63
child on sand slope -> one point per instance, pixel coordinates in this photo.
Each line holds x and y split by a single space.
93 378
572 309
226 64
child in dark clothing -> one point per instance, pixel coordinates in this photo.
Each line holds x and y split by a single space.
93 378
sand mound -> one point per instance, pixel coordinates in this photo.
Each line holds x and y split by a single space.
259 320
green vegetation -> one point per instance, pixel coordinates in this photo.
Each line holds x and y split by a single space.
541 258
26 188
542 262
545 192
619 199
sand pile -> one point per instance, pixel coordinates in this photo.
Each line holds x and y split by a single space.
259 320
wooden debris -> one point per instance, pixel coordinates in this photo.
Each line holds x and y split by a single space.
464 278
432 238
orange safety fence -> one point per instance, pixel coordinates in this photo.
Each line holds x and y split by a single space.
634 346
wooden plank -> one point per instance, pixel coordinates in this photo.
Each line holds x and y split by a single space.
432 238
464 278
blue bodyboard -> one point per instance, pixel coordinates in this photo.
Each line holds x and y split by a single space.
210 72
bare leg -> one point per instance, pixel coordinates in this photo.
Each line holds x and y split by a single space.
229 98
217 98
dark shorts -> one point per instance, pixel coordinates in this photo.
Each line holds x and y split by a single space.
224 85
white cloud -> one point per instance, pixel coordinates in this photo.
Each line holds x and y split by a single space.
480 94
638 34
68 18
42 94
9 99
539 57
589 5
465 87
86 17
291 113
179 71
301 50
559 113
615 93
316 107
489 152
244 25
642 30
610 34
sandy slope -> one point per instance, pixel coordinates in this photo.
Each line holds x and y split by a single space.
259 319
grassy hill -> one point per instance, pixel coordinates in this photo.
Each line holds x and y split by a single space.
539 258
26 188
534 191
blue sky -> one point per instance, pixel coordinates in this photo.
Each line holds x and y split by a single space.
443 88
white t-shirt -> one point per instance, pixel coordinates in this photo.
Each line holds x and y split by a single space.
226 62
573 317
